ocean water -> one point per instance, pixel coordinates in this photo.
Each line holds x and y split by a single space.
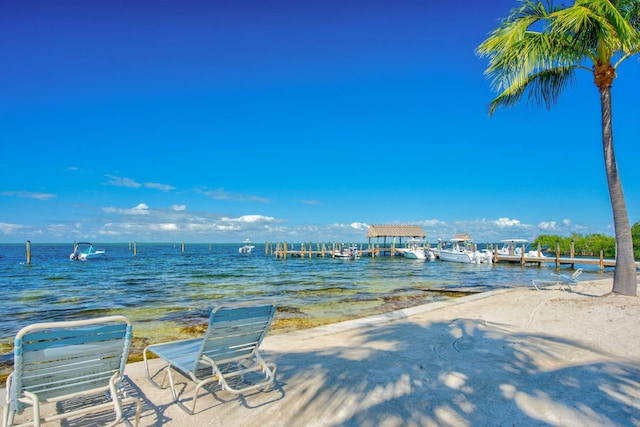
168 293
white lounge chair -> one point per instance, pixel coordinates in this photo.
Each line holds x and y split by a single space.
563 281
58 361
229 350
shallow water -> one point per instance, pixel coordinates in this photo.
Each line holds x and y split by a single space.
168 293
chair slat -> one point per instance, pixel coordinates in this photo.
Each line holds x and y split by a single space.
61 333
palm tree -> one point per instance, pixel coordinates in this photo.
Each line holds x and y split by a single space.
538 50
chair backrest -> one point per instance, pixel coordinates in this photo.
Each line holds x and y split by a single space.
236 330
60 358
575 274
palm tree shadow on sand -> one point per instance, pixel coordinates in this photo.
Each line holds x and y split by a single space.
463 373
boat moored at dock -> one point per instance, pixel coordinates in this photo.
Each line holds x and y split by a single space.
416 249
461 249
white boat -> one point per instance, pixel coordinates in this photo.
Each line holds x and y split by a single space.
247 248
514 247
85 250
461 250
416 249
349 252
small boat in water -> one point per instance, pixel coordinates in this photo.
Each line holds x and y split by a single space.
349 252
461 250
247 248
85 250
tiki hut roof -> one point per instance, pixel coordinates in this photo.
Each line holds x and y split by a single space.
396 231
462 236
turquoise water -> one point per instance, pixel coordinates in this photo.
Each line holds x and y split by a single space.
168 293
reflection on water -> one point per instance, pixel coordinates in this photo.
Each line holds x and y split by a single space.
168 293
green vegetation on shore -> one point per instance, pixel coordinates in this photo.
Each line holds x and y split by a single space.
589 245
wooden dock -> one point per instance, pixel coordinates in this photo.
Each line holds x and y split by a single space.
310 250
557 260
284 250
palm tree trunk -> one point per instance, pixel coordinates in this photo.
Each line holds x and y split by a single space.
625 280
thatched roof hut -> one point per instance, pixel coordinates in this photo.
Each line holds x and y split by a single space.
400 231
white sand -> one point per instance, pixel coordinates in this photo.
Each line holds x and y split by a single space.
520 357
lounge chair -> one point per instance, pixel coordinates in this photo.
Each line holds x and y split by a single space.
227 352
563 281
58 361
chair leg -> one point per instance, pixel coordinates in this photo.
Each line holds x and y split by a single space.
197 392
135 400
35 401
7 416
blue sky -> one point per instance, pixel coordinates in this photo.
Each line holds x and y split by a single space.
216 121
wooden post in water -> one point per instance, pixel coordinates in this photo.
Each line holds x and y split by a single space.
135 248
182 247
573 249
28 252
557 254
601 259
209 246
285 251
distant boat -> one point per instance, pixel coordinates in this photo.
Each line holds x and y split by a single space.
460 250
349 252
85 250
247 248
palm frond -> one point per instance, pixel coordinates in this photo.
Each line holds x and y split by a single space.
538 47
543 87
534 53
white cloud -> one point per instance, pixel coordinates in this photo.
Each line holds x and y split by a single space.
506 222
128 182
360 226
122 182
11 228
179 208
157 186
249 219
165 227
141 209
221 194
548 225
28 195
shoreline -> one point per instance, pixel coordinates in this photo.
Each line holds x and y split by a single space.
516 356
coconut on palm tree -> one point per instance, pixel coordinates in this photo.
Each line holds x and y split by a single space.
538 50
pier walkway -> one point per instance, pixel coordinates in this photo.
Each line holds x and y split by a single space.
284 250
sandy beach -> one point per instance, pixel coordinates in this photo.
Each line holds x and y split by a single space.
509 357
